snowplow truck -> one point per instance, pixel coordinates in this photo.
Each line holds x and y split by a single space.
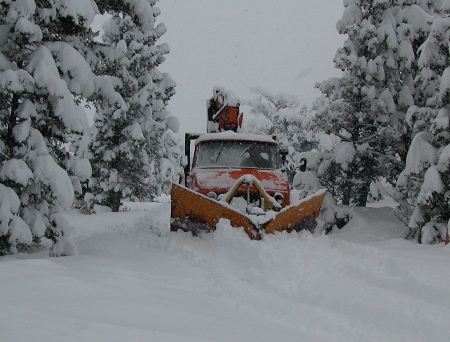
238 177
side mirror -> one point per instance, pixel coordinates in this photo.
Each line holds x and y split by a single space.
283 153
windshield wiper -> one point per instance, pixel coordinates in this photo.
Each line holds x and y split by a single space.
218 153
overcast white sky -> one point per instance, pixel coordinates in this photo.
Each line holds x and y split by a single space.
283 46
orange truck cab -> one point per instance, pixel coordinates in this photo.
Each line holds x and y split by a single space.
220 159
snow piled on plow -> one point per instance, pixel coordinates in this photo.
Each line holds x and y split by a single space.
135 280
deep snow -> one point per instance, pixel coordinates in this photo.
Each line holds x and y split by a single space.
133 280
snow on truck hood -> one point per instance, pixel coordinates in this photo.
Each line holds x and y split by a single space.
272 180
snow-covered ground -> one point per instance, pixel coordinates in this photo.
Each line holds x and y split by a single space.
133 280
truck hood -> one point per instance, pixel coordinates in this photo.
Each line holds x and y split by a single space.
224 179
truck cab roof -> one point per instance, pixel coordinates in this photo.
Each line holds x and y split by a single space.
230 135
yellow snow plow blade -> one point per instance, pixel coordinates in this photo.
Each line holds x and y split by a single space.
191 211
297 217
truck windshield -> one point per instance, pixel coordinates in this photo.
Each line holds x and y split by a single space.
237 154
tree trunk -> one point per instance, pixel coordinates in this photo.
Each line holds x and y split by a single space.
346 193
114 200
363 191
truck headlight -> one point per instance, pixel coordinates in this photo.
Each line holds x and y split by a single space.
279 198
212 195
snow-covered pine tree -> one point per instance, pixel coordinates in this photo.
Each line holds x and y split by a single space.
424 184
42 73
369 101
133 153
